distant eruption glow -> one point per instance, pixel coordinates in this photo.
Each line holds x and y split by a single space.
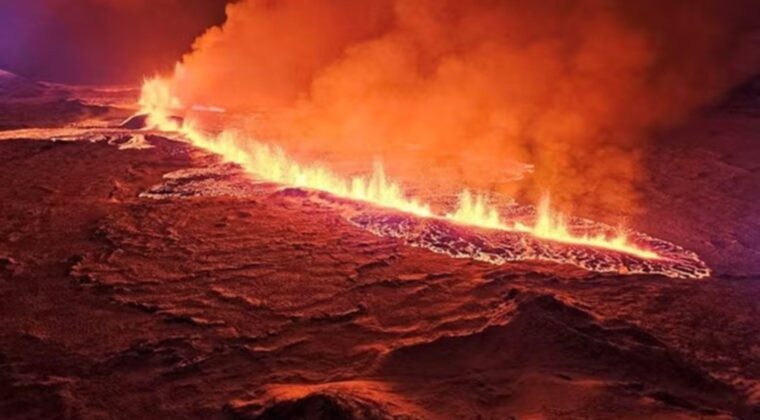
272 164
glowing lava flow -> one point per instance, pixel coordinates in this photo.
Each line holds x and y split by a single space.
474 210
272 164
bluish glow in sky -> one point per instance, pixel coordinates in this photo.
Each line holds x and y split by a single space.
16 28
100 41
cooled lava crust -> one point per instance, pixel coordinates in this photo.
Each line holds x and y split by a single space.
129 292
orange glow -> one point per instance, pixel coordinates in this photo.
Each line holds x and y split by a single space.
272 164
553 226
549 225
157 102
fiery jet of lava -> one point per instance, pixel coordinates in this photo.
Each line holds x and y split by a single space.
272 164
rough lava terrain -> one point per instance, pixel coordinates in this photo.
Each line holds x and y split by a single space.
142 278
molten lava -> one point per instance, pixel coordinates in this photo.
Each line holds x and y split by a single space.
272 164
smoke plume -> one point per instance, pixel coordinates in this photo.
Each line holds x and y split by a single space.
467 89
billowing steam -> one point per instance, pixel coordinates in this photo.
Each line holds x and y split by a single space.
573 87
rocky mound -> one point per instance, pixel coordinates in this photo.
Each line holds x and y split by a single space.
140 122
315 406
550 338
13 86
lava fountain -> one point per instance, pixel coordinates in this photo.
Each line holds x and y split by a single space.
473 211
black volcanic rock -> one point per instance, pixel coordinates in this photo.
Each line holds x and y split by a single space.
135 122
316 406
140 122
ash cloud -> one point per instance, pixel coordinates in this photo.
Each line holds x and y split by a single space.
574 88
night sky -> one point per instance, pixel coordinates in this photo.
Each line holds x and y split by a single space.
100 41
